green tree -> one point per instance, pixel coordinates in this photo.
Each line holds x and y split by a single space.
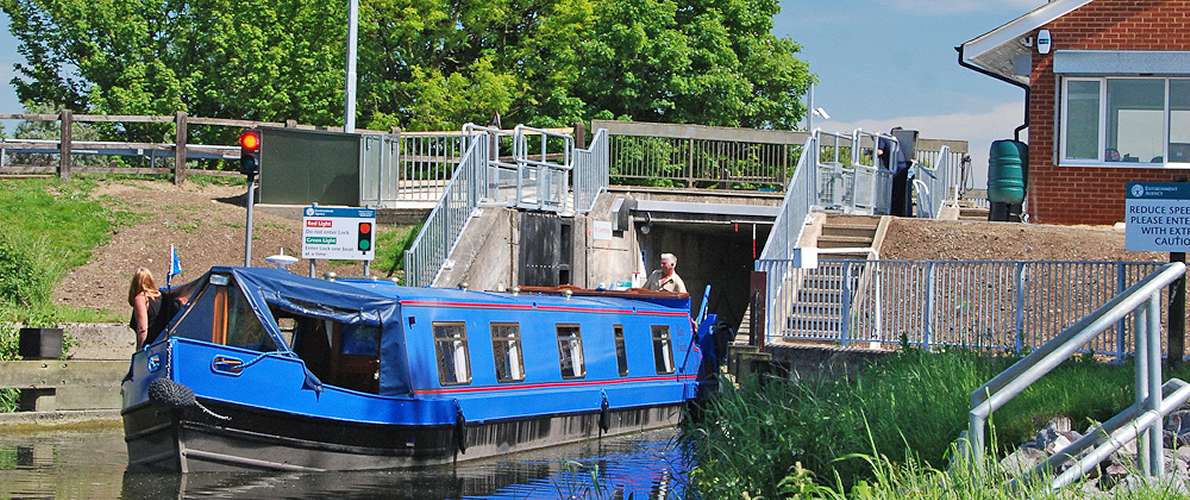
423 64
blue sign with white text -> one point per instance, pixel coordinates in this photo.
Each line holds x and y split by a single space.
1157 216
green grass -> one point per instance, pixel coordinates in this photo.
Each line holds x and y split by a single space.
391 243
51 227
913 402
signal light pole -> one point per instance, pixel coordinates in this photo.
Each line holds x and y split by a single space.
249 166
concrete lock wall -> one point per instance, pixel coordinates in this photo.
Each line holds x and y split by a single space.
714 252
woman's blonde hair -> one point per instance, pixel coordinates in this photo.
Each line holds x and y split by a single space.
142 281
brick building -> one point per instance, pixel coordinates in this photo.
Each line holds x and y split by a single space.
1107 87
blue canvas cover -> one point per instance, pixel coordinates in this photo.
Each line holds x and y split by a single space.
342 302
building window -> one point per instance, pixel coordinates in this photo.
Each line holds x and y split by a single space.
570 352
1082 122
1125 122
621 350
450 345
1179 122
663 352
506 352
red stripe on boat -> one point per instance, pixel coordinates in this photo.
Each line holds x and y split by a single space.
524 307
546 385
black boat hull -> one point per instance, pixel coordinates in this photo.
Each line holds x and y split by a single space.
239 438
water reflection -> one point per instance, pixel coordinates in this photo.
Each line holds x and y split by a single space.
91 464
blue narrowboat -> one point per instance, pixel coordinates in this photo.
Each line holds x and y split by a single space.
264 369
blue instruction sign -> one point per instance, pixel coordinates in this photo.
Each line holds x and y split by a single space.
1157 216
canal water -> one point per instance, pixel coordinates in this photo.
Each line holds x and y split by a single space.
91 463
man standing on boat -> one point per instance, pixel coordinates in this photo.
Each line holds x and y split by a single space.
666 279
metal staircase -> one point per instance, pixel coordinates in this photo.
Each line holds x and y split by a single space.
817 309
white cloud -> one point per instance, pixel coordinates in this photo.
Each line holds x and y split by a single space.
979 129
960 6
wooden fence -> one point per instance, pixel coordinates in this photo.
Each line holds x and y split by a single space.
65 147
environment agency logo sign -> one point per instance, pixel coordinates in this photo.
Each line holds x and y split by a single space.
310 211
1138 190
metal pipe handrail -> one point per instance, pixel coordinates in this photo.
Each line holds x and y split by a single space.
795 205
545 164
413 266
858 136
1142 298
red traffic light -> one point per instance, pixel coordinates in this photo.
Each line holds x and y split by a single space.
250 141
365 228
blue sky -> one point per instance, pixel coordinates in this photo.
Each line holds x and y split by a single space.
880 63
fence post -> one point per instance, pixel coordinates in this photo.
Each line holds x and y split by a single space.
580 135
690 162
1020 307
67 120
1121 346
928 317
783 171
845 307
180 147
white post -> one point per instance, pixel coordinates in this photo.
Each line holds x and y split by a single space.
352 31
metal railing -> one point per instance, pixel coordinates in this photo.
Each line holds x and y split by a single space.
699 155
425 258
528 179
933 183
872 183
799 197
1154 400
999 305
831 177
591 175
542 184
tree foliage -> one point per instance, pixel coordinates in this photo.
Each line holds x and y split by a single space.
423 64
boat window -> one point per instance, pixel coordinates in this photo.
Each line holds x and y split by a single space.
341 355
360 340
506 352
450 345
221 314
663 352
621 350
243 326
570 351
196 321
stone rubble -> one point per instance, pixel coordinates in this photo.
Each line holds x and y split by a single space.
1119 473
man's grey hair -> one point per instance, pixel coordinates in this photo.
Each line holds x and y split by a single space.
670 257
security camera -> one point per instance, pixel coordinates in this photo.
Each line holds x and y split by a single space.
821 113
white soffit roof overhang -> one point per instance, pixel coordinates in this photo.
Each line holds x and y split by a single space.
994 51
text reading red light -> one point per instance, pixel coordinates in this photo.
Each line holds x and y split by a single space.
365 228
250 140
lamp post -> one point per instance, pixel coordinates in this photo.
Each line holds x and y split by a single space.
352 34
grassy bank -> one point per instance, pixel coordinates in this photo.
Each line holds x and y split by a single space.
51 227
907 409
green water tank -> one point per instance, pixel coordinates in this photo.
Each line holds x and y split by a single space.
1008 170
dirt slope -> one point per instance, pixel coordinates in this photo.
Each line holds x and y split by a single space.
924 239
205 223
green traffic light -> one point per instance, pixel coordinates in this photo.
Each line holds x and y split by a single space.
365 245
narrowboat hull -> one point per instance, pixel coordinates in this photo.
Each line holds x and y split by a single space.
191 440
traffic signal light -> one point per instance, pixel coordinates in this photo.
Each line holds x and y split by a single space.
250 152
365 237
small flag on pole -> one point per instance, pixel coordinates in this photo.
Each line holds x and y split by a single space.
175 266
